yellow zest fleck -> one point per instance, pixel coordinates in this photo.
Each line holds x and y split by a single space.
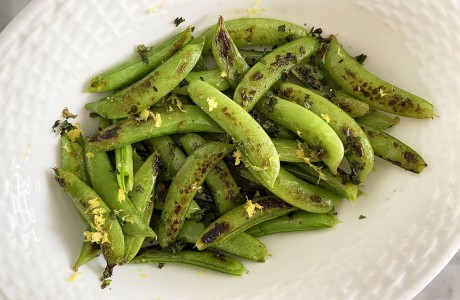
251 208
223 74
65 147
73 277
93 203
170 108
121 195
144 115
154 9
26 153
66 114
90 154
237 155
74 134
255 10
326 118
157 120
381 93
211 103
128 219
339 52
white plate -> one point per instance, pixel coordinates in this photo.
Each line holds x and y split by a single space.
51 50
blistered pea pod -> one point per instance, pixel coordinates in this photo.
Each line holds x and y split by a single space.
124 167
362 84
184 187
358 149
264 74
294 221
141 197
88 252
205 259
225 192
152 88
105 183
307 125
73 158
252 56
170 155
240 219
214 77
378 120
291 150
394 151
188 118
252 139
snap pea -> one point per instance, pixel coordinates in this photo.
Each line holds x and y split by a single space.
73 159
257 32
184 186
224 190
130 131
362 84
291 150
88 252
170 155
137 161
260 78
252 56
150 89
205 259
378 120
352 106
271 128
393 150
307 125
358 149
298 193
105 184
105 229
213 77
294 221
124 167
239 219
255 143
135 68
339 183
227 56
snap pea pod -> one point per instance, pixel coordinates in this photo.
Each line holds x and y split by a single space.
358 149
240 219
73 159
137 161
88 252
255 143
252 56
271 128
130 131
224 190
294 221
105 184
339 183
205 259
124 167
105 229
393 150
298 193
227 56
170 155
184 186
141 197
307 125
264 74
213 77
257 32
291 150
150 89
352 106
135 68
193 207
362 84
378 120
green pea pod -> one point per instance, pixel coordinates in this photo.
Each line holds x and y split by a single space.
130 131
106 185
137 161
339 184
362 84
170 155
257 32
240 219
204 259
378 120
255 143
358 149
213 77
224 190
252 56
124 167
105 229
185 185
73 159
271 128
263 75
88 252
393 150
193 207
141 197
291 150
353 107
294 221
298 193
227 56
307 125
150 89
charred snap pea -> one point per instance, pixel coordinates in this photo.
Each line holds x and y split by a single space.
150 89
240 219
73 159
170 155
134 69
158 123
213 77
124 167
358 149
393 150
260 78
362 84
352 106
294 221
255 143
291 150
184 187
88 252
378 120
205 259
307 125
